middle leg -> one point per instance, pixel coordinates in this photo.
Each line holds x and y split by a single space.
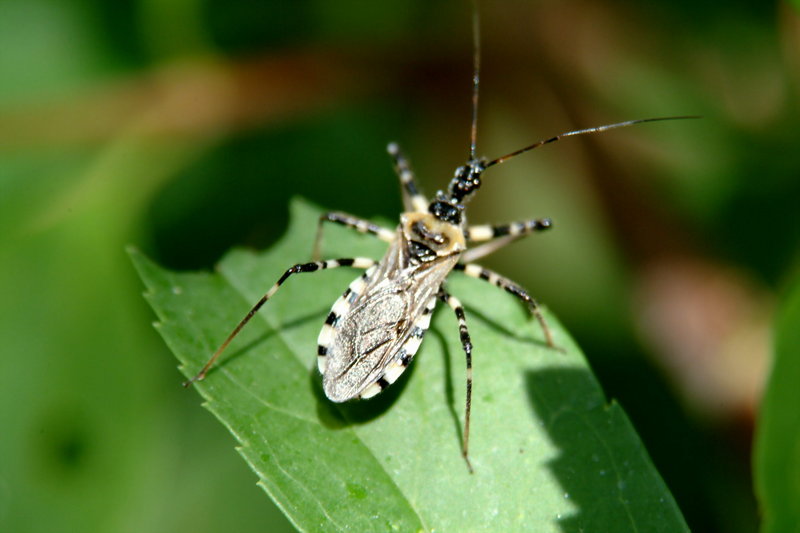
477 271
359 224
300 268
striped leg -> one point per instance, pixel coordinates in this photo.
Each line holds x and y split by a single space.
359 224
412 199
506 284
466 343
500 236
358 262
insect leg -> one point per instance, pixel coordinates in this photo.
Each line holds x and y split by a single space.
466 343
517 229
357 262
413 200
500 236
359 224
476 271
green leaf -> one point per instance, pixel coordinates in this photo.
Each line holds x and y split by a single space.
549 453
777 450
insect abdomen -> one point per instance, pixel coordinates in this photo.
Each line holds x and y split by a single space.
367 342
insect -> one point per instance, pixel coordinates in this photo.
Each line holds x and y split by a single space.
375 328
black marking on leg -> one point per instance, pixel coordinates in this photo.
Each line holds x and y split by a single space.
361 225
540 224
516 229
466 344
412 199
322 350
295 269
509 286
499 231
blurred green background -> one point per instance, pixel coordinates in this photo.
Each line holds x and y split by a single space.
184 126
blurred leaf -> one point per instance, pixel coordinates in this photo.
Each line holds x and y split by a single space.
549 453
777 454
98 431
46 48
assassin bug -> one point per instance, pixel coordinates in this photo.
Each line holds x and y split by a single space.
376 327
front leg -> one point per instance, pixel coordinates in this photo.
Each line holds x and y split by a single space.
500 235
413 200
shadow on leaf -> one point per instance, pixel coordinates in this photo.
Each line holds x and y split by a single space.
601 464
334 416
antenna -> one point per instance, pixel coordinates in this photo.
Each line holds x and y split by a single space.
574 133
476 78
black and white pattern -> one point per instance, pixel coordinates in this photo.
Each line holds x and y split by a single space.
374 330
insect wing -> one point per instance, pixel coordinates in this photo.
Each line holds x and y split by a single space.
375 340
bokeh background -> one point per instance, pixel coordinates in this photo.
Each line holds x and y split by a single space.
184 127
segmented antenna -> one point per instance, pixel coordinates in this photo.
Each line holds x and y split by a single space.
596 129
476 78
476 82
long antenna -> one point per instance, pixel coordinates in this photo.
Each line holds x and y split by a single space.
596 129
476 78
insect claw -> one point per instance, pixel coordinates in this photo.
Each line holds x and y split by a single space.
199 377
469 464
